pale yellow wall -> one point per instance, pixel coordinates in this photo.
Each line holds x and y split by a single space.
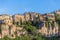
58 12
51 16
41 18
17 18
27 17
7 19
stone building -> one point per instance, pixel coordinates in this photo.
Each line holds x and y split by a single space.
34 16
57 12
18 19
51 16
41 17
31 16
27 16
7 19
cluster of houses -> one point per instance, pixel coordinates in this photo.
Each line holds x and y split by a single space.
9 28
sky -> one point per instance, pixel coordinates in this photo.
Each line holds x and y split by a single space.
20 6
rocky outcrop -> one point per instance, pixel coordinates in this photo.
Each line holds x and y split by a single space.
8 24
49 32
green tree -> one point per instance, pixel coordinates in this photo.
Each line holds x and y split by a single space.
6 38
31 29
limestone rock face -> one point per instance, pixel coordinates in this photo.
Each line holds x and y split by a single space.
49 32
7 27
4 30
43 30
13 29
